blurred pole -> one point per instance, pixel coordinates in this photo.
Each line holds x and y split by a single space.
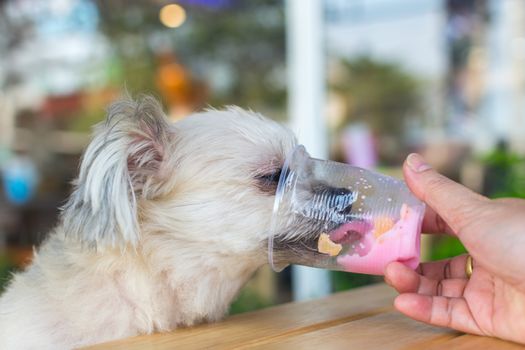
498 99
517 129
7 127
7 131
306 101
505 100
7 122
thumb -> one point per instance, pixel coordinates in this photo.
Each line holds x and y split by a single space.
454 203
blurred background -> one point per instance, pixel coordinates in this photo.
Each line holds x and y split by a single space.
362 81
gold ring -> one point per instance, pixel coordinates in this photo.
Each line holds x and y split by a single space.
468 266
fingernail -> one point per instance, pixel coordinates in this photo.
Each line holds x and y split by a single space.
416 163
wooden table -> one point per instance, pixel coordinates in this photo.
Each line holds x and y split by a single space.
359 319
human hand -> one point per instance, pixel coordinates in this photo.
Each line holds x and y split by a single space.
492 301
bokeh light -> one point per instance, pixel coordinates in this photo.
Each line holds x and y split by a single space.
172 15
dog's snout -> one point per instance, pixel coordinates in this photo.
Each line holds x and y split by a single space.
339 199
332 192
337 191
343 193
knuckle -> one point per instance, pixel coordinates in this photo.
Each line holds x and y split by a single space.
449 312
439 288
446 270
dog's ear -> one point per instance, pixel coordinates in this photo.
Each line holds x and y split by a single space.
123 162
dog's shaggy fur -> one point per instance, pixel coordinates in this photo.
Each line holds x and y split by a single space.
166 222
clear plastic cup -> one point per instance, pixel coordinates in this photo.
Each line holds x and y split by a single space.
335 216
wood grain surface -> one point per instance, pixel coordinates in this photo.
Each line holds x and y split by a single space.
359 319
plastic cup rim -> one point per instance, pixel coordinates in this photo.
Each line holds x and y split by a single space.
285 173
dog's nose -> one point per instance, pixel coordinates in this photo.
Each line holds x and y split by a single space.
338 198
346 199
338 191
329 203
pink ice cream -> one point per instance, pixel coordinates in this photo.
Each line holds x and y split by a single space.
370 254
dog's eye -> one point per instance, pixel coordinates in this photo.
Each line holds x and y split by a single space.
272 177
268 182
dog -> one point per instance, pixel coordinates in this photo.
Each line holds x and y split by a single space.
165 224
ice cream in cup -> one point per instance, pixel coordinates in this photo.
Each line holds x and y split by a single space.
335 216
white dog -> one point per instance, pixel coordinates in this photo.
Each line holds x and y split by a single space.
167 221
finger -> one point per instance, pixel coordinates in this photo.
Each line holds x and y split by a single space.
443 269
438 311
405 280
433 223
456 204
451 288
402 278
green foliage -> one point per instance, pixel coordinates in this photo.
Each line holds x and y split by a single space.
343 280
248 300
504 174
380 94
247 40
86 119
257 66
445 247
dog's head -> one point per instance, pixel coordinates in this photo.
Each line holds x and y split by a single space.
208 180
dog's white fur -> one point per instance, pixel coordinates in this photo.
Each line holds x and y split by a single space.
167 221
